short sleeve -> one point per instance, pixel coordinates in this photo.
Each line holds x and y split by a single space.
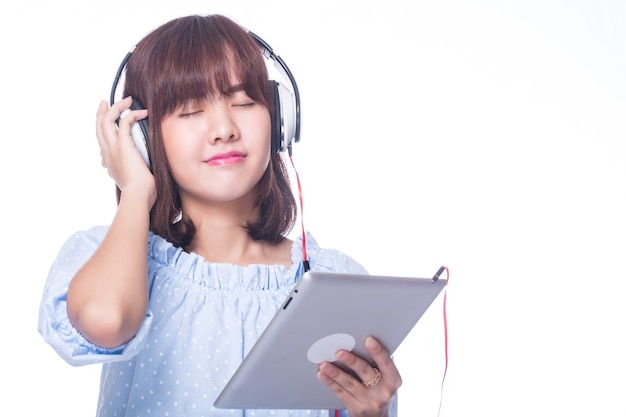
54 323
331 260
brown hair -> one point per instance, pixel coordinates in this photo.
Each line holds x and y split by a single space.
193 58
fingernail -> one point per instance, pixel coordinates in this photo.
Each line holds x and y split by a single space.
370 342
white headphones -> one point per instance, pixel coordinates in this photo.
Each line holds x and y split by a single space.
285 121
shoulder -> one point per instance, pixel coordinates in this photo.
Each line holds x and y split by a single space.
82 244
326 258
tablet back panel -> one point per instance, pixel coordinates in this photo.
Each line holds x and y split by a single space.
324 312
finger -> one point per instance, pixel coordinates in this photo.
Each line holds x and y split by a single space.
351 392
102 109
365 372
110 118
388 370
108 133
337 380
383 373
127 119
131 116
381 356
106 116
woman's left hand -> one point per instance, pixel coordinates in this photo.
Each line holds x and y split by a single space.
373 396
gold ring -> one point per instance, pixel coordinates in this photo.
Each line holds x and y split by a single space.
374 381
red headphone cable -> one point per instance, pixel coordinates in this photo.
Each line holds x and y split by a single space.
306 265
445 329
305 259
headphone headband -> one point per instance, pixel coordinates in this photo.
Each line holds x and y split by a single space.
287 120
282 67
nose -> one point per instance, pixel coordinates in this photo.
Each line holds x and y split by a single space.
222 125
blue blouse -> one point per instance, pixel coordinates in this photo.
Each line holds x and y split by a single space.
202 319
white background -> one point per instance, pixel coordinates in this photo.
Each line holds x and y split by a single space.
487 136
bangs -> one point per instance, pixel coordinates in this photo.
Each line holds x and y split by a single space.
202 58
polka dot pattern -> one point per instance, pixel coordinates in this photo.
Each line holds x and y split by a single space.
202 319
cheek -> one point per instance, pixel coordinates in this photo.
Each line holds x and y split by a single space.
177 149
266 136
168 132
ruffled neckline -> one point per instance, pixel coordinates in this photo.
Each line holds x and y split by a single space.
228 276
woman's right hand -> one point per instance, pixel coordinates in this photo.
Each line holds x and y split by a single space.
119 154
107 298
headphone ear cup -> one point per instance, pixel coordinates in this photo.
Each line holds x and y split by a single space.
277 134
287 116
139 132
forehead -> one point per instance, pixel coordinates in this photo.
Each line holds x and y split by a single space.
211 76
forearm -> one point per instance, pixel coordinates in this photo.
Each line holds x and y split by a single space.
107 298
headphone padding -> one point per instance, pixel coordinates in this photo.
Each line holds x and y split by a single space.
277 134
139 132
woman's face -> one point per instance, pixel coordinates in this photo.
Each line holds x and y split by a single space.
217 150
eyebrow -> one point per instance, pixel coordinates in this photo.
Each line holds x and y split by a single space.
234 89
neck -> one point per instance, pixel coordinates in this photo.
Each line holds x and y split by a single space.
220 232
234 246
221 237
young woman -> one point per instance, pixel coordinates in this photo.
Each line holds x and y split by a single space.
195 261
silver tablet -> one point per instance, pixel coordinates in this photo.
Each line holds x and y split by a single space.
324 312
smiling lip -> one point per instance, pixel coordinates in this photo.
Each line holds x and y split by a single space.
228 158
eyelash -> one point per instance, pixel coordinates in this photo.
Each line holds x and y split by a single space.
186 115
192 113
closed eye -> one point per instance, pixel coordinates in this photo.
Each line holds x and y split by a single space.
250 104
239 98
189 114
